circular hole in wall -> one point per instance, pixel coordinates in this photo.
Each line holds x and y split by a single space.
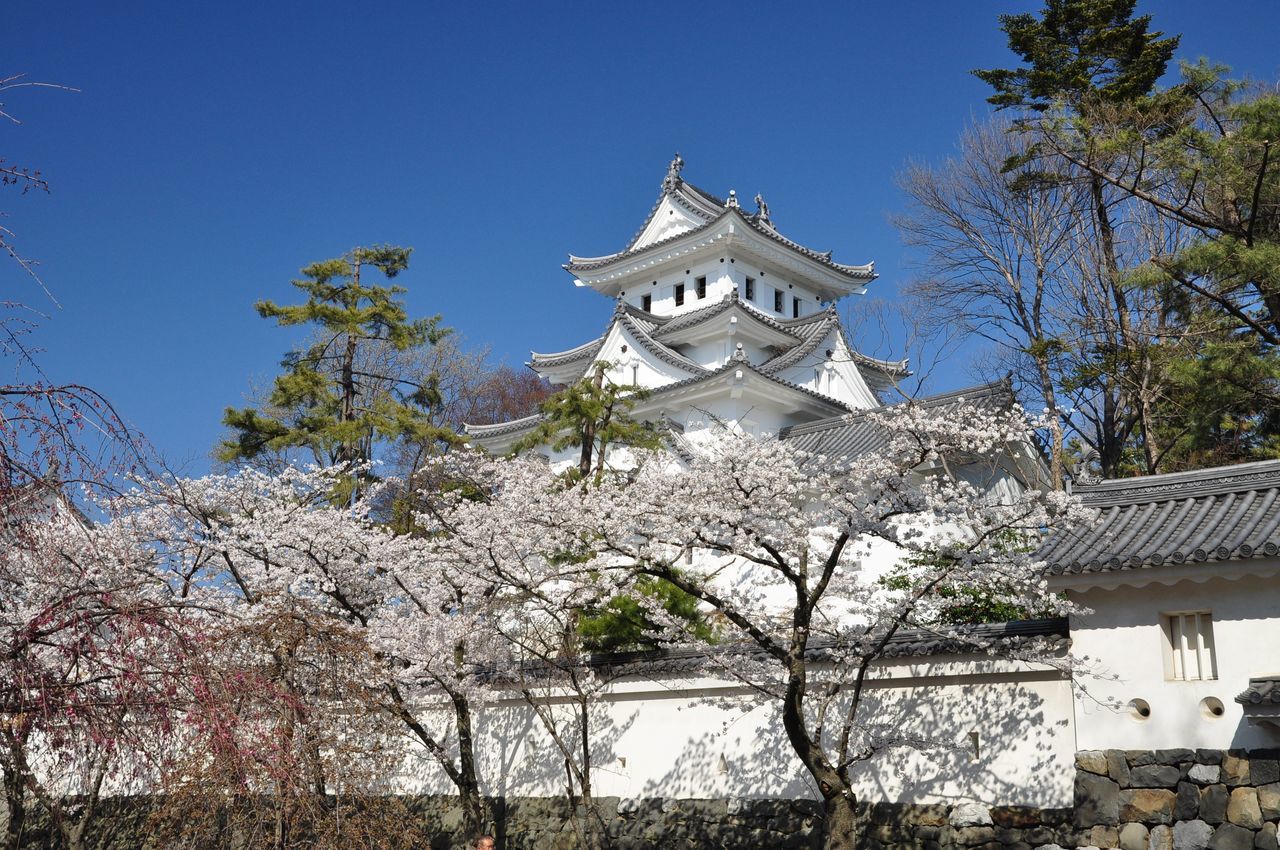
1139 709
1212 708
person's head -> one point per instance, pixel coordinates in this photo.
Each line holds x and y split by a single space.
484 842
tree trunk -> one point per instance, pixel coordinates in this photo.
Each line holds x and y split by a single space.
590 817
1150 441
1056 471
589 432
16 802
468 783
350 451
839 826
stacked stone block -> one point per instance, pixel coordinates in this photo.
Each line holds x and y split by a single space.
1124 800
1177 799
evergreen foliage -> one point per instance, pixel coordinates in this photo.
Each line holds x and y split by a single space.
591 415
1078 49
627 622
1184 362
330 400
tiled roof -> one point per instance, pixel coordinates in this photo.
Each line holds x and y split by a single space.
888 368
586 264
682 321
1261 691
642 325
678 189
1221 514
813 329
586 351
656 348
908 643
528 422
693 317
856 434
743 364
1261 701
865 272
810 330
499 429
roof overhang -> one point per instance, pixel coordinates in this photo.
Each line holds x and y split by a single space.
739 322
1110 578
730 231
737 381
1261 701
498 439
565 367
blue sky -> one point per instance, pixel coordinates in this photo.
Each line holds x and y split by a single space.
216 148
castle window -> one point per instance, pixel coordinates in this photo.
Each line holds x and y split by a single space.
701 286
679 294
646 303
795 308
751 289
777 301
1189 649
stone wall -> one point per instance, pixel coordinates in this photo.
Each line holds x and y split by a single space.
1130 800
1178 799
666 824
1125 799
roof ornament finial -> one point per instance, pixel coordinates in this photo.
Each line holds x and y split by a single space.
672 179
739 356
1080 470
733 200
762 210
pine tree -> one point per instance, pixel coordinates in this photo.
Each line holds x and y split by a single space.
336 398
1079 49
1082 55
591 415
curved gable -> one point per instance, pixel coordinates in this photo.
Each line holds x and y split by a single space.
636 358
836 377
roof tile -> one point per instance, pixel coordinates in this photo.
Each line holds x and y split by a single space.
1208 515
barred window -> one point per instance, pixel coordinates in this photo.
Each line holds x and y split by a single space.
1189 648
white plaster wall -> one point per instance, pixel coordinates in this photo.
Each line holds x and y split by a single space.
763 418
836 378
662 285
705 738
650 371
711 353
724 275
1124 636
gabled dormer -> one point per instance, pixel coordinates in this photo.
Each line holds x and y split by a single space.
689 245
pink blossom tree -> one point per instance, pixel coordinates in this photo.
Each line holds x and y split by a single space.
771 540
271 550
89 646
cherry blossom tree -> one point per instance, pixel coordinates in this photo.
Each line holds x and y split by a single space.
274 555
772 540
515 534
780 537
90 646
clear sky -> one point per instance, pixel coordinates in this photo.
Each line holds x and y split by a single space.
215 148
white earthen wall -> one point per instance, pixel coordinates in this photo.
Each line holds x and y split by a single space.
1123 633
702 738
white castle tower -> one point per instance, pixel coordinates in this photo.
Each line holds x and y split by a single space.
724 321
